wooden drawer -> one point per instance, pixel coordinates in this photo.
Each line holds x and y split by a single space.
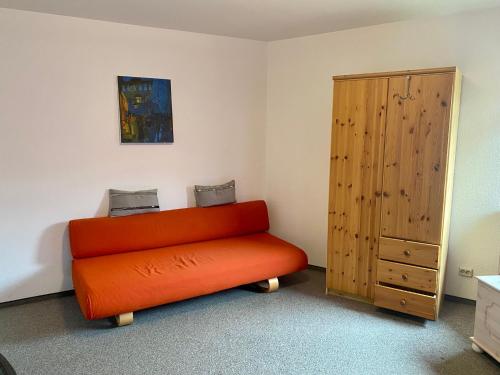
419 254
406 302
408 276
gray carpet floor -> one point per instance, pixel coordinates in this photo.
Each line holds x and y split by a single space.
297 330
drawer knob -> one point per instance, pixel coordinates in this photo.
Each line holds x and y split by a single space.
407 252
402 302
404 276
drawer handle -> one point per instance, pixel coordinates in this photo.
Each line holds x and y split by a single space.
407 252
404 276
402 302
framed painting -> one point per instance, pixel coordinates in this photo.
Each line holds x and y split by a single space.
145 110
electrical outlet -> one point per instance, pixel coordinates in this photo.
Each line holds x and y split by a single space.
465 272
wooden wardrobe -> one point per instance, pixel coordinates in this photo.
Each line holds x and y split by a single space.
391 181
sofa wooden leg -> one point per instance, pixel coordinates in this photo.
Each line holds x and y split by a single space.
124 319
269 285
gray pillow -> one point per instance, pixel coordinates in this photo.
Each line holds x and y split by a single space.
216 195
124 203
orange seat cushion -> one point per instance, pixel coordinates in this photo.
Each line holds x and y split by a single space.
113 235
119 283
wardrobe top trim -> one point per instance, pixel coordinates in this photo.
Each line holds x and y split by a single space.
449 69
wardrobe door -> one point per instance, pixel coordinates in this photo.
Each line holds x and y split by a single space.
359 110
416 150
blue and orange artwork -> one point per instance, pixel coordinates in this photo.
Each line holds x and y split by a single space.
145 110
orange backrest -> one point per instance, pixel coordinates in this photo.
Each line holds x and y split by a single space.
112 235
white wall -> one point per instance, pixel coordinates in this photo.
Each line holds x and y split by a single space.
59 137
59 141
299 117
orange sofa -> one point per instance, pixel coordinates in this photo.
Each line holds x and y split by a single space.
124 264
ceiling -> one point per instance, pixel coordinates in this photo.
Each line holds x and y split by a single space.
252 19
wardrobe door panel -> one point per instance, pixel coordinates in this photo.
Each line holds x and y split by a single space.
415 156
359 110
